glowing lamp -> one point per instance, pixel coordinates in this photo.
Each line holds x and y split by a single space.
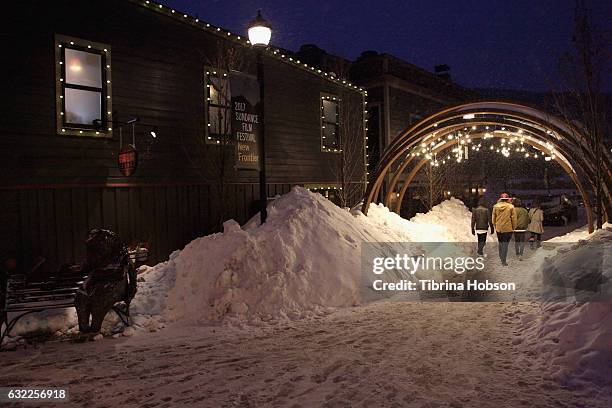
260 31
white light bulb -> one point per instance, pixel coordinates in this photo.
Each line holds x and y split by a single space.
259 35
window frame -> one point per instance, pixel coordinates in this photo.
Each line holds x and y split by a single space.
209 137
323 122
105 130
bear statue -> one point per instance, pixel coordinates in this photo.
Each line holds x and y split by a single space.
111 278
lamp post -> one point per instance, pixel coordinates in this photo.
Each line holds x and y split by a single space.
260 32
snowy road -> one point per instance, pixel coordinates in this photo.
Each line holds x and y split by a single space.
382 355
388 354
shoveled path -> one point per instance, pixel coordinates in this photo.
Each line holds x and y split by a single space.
437 354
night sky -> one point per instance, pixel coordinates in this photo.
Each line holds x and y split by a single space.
487 43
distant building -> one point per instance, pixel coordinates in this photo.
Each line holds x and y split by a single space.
400 94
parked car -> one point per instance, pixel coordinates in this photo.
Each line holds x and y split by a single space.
558 210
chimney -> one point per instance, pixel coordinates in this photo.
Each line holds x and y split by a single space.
443 72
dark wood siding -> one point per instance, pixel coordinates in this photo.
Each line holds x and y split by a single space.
157 70
55 188
53 222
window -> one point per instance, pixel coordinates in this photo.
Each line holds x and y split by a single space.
83 87
218 107
330 123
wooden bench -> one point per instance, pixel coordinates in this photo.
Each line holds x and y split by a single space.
24 297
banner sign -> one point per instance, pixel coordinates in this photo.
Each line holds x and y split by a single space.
127 160
246 120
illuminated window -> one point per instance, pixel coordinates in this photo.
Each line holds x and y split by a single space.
330 123
217 106
83 87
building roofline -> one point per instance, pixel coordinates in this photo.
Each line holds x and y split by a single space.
271 51
419 71
406 86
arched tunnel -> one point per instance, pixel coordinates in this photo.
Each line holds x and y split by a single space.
514 126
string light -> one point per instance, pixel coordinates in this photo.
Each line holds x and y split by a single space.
217 30
506 146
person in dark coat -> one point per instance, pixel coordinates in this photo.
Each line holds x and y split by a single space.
520 229
481 223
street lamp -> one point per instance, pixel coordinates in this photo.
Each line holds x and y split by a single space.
260 32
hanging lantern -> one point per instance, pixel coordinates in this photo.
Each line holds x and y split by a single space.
127 160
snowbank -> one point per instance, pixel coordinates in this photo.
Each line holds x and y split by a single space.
303 261
575 235
572 335
448 221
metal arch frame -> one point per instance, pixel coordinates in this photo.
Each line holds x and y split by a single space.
567 147
564 164
547 130
509 112
450 129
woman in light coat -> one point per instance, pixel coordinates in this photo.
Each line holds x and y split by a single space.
536 218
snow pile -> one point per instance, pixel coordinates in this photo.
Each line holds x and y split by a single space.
452 218
573 333
47 321
303 261
448 221
575 235
150 300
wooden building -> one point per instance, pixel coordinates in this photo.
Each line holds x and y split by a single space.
79 72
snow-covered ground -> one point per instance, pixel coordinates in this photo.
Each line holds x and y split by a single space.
387 354
572 332
273 316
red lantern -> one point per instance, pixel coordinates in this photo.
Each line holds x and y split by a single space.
127 160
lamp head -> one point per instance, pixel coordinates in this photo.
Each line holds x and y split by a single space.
260 31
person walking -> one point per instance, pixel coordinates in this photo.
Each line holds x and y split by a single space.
522 222
536 219
504 221
481 222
